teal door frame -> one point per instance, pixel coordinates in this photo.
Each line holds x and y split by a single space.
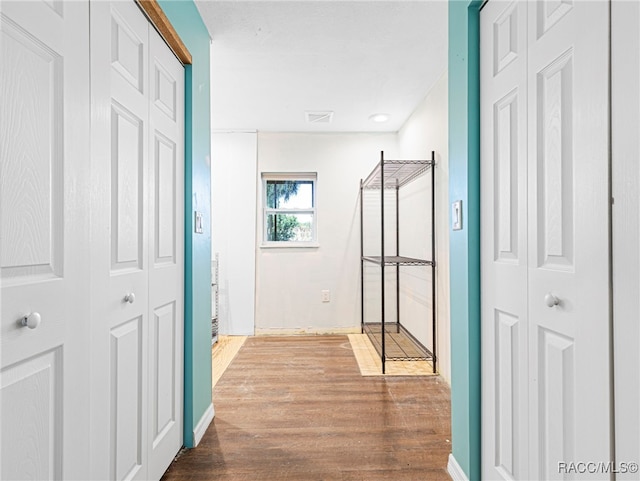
464 184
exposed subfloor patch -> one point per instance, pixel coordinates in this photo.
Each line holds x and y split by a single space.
370 363
222 353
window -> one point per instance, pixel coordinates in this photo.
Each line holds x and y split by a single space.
289 202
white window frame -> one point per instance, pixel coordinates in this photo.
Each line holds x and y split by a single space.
290 176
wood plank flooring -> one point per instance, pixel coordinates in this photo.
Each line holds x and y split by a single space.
297 409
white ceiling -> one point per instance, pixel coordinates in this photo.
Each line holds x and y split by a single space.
274 60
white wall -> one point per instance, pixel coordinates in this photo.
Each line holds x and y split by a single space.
372 247
289 281
424 131
233 236
625 19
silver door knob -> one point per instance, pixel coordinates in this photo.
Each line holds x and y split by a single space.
550 300
130 298
31 321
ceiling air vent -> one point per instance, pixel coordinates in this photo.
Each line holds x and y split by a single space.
319 117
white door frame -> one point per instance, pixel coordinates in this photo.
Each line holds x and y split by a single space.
625 122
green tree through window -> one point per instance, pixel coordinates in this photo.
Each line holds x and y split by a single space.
290 210
281 227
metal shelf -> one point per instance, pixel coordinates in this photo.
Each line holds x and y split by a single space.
400 345
392 341
391 174
397 261
215 267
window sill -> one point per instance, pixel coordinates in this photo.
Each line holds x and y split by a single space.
290 245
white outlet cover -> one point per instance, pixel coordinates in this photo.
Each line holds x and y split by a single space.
198 220
456 215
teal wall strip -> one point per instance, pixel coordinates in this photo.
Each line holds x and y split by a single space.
185 18
464 184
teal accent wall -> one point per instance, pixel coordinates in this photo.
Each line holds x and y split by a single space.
464 184
186 19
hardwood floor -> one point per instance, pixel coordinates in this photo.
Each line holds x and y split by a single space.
297 409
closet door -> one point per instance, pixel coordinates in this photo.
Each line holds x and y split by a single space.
166 259
559 333
503 170
138 145
569 343
44 230
120 219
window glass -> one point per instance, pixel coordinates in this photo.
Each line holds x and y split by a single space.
289 208
289 227
289 194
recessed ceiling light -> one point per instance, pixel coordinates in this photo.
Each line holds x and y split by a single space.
379 118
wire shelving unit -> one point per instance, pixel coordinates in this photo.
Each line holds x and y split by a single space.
392 340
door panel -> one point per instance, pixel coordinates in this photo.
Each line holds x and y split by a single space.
505 170
127 189
138 98
508 389
44 178
120 161
128 52
128 321
166 256
31 418
568 235
552 260
555 164
544 178
165 200
506 42
556 403
504 244
165 89
548 13
32 188
163 373
127 394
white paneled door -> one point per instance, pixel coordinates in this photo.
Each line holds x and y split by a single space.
166 255
545 239
505 384
44 230
138 158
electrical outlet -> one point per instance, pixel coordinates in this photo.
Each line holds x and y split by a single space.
326 296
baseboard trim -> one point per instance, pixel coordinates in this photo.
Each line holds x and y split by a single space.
454 470
309 331
202 425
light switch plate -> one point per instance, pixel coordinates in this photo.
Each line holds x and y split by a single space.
456 215
198 223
